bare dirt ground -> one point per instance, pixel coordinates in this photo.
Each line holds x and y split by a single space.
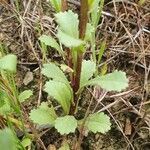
126 27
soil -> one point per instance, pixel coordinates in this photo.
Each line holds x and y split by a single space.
126 27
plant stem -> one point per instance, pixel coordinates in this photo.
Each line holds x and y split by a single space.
64 5
82 29
83 17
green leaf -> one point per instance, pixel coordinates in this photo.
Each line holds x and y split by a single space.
56 4
66 125
60 92
68 40
4 104
103 69
43 115
68 32
89 32
98 122
68 23
96 11
25 95
94 5
5 109
26 142
2 101
59 88
90 3
87 71
115 81
8 62
101 51
7 140
49 41
53 72
65 146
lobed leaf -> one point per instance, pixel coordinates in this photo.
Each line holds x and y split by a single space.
53 72
87 71
60 92
115 81
68 32
98 122
49 41
68 23
25 95
68 40
43 115
8 62
66 124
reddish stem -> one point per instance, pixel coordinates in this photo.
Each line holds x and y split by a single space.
83 17
64 5
82 29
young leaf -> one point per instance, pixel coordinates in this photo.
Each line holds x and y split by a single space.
56 4
8 62
98 122
53 72
115 81
60 92
89 32
94 5
68 40
66 125
25 95
101 51
68 23
88 69
49 41
96 11
68 32
7 140
43 115
103 69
